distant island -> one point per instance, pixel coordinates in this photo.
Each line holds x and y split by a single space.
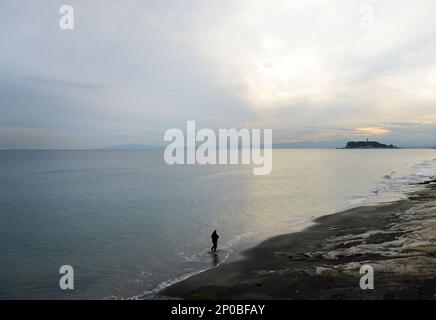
368 145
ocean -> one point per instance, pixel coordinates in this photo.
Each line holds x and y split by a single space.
129 224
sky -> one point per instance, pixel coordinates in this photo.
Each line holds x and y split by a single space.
317 72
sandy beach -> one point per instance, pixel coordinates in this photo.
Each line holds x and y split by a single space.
323 261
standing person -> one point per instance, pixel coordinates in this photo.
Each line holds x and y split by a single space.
214 237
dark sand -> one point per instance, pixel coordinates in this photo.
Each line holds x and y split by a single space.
323 261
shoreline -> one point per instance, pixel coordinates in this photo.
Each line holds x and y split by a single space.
323 261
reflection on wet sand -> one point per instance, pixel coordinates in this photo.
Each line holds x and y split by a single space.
215 259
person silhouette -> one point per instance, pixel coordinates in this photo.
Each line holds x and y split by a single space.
214 237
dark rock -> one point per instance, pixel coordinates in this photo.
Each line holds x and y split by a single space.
368 145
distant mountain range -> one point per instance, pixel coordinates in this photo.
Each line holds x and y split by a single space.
306 145
132 146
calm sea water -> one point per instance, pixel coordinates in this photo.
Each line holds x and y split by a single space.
129 224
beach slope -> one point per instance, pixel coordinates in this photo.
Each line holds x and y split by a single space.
323 261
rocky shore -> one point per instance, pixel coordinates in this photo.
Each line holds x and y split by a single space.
323 262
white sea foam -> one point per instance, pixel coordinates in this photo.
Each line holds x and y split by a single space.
393 187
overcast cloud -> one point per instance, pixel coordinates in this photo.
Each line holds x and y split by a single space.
314 71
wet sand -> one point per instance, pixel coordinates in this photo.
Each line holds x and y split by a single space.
323 261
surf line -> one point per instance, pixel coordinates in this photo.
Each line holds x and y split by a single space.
207 147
